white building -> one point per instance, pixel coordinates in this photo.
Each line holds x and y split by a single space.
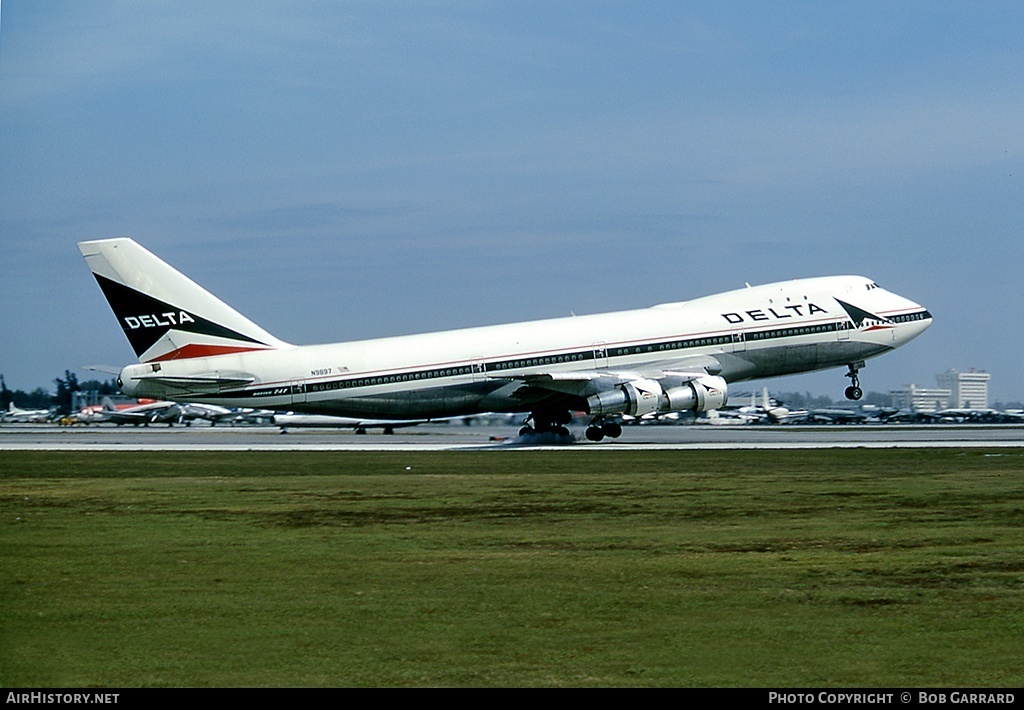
921 399
968 390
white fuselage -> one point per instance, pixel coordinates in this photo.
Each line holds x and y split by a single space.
763 331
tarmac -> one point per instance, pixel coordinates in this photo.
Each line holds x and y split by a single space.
454 437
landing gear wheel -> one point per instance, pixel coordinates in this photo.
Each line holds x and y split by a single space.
599 429
854 392
547 426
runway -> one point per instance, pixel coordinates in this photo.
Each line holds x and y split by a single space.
454 437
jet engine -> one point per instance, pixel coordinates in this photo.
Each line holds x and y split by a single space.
643 396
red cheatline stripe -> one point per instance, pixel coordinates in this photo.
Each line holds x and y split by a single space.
192 350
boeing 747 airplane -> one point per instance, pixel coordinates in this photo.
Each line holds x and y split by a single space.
193 347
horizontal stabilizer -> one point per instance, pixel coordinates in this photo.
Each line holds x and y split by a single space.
108 369
199 382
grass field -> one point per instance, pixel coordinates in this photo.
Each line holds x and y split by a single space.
898 568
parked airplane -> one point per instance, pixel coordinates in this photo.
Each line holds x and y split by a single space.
26 416
968 415
767 412
190 411
835 416
723 417
160 412
327 421
672 357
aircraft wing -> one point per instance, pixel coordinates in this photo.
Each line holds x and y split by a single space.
574 384
584 383
650 389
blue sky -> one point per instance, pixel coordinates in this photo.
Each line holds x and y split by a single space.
345 170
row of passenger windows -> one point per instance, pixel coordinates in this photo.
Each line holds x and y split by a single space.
447 372
791 332
534 362
673 345
388 379
590 354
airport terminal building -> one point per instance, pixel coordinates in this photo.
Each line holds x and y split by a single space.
956 390
921 399
968 390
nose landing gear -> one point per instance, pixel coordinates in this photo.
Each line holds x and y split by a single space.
854 392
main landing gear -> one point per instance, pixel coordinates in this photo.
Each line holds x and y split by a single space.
600 428
547 422
854 391
549 426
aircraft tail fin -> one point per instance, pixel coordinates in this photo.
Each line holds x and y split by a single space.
164 314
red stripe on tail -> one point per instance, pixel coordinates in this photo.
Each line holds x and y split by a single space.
193 350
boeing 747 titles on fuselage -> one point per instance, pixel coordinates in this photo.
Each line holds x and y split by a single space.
192 347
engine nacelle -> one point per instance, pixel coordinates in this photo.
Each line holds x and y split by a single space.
636 398
701 395
640 397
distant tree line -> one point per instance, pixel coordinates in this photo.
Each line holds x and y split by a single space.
61 400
